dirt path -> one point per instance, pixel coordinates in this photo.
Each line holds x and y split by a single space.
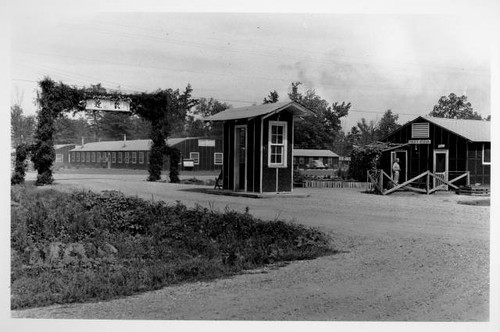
406 257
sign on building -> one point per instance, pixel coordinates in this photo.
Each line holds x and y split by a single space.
108 105
419 141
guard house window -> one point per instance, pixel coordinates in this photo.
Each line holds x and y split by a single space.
141 157
195 156
420 130
134 157
218 157
277 144
77 156
88 157
120 157
72 157
59 158
93 157
486 154
99 156
113 157
127 157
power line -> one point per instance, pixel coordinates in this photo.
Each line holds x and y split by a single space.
136 35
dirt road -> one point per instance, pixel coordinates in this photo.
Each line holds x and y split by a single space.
405 257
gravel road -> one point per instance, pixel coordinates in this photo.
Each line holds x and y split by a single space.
404 257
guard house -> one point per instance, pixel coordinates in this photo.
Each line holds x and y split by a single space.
446 147
258 146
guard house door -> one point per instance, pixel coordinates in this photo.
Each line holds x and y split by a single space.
240 158
440 168
403 164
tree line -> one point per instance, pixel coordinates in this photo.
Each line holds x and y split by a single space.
323 130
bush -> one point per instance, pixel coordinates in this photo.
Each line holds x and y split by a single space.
157 244
363 159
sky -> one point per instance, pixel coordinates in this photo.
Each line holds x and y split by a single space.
376 61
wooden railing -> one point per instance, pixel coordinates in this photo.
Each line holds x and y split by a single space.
377 179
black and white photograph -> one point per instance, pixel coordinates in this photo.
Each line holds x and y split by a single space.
281 165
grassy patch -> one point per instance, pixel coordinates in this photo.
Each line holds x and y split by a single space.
83 246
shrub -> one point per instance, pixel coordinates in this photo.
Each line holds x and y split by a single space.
158 244
363 159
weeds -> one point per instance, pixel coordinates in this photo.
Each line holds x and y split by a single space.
157 244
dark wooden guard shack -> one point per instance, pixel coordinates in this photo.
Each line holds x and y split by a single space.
258 146
446 147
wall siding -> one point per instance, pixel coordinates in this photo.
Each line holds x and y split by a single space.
463 155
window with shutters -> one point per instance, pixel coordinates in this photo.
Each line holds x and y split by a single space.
420 130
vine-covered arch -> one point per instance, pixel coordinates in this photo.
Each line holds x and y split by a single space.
161 108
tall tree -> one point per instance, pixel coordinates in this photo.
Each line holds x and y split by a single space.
272 98
22 128
114 125
197 127
320 130
454 107
367 131
387 124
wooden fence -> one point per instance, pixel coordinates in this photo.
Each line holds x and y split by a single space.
377 177
337 184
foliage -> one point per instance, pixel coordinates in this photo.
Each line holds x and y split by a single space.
272 98
22 151
363 159
318 131
165 109
387 124
22 128
53 100
367 132
196 126
454 107
157 244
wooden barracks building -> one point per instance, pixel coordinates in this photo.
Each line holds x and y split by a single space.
196 154
446 147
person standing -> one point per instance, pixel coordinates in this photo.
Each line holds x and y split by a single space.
395 170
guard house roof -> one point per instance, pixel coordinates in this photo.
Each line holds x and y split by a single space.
473 130
132 145
259 110
313 153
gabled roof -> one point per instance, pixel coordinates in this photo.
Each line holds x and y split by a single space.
248 112
59 146
473 130
132 145
313 153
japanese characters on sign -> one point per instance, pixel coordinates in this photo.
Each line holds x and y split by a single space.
108 105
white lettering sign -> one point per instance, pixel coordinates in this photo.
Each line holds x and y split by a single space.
419 141
108 105
206 142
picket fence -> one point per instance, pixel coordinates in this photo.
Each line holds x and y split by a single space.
337 184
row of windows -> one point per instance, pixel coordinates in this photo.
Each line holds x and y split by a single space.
128 157
131 157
